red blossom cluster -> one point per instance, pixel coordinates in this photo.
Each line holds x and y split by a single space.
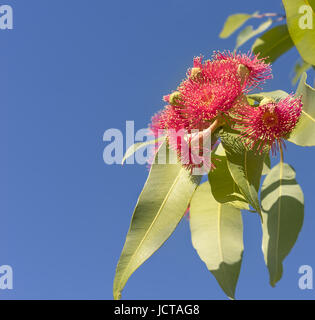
269 123
213 93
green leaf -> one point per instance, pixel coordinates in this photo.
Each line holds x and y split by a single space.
219 151
273 43
233 22
160 207
274 95
135 147
267 165
249 32
299 68
301 27
251 101
283 210
217 235
304 132
245 167
223 187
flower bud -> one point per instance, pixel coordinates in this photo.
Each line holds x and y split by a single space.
195 73
174 98
243 72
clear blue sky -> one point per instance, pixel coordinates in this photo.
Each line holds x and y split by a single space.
69 71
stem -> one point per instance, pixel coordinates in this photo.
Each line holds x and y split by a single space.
281 153
215 125
268 14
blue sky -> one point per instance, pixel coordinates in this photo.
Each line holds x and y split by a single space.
71 70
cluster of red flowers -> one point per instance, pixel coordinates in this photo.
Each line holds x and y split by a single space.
270 123
214 93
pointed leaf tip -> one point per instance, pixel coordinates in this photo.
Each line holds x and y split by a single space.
283 212
217 236
160 207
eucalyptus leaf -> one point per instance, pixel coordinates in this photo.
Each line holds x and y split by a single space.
267 165
245 166
304 132
251 101
160 207
217 236
219 151
274 95
300 15
299 68
283 211
223 187
273 43
234 22
249 32
135 147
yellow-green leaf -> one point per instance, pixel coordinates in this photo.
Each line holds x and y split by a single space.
267 165
299 68
282 204
300 15
223 187
245 166
273 43
274 95
137 146
304 132
249 32
233 22
160 207
217 235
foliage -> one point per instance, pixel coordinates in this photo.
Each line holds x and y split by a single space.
280 33
243 138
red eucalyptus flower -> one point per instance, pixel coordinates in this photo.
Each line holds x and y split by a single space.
211 90
256 71
269 124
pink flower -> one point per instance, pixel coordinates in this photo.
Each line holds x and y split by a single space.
268 124
169 118
212 91
256 72
209 91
